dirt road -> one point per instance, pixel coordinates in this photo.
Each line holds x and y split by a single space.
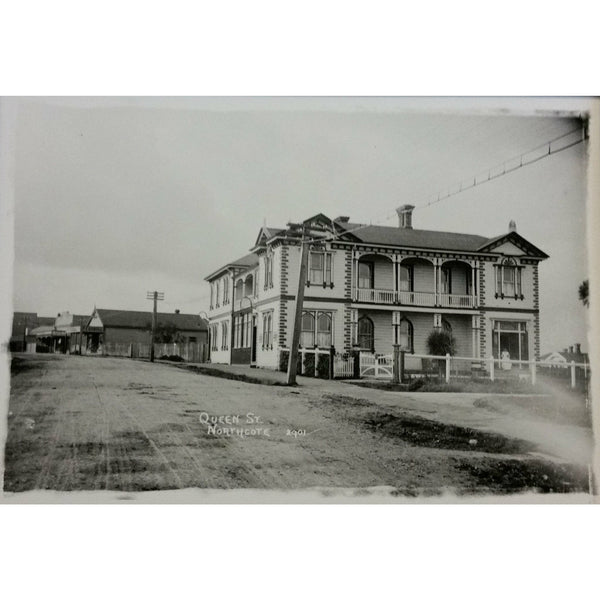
83 423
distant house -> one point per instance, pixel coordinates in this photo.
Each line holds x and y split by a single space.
25 329
563 358
113 326
60 335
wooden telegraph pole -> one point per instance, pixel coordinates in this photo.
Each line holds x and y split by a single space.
293 357
305 245
154 296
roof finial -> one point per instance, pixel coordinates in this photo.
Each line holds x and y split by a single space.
512 226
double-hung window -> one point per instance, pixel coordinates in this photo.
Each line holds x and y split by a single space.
268 263
508 279
224 336
267 333
320 270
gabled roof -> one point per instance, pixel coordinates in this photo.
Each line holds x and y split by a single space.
265 234
514 238
142 319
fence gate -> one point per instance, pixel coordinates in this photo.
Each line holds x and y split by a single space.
343 366
376 366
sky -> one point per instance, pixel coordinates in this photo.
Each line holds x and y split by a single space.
117 197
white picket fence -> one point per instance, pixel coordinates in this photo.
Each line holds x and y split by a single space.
343 366
382 366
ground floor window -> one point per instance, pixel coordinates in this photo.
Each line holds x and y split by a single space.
267 332
224 335
214 330
316 329
366 334
406 335
510 340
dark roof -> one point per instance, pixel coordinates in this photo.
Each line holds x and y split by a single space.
246 262
415 238
142 319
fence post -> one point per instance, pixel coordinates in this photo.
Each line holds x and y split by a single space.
447 368
331 357
491 359
573 377
396 364
356 365
533 372
402 356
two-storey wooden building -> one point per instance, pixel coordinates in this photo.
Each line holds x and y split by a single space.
372 286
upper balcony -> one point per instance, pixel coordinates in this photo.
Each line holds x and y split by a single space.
377 279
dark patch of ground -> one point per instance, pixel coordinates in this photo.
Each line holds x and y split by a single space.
18 365
418 431
214 372
507 476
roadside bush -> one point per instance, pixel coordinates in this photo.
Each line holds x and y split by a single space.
323 366
284 358
416 384
309 365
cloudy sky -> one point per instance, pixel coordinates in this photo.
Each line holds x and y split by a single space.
115 197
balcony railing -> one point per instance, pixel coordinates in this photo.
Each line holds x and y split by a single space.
417 298
378 296
371 295
455 300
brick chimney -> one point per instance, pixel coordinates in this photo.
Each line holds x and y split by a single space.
512 226
405 216
577 348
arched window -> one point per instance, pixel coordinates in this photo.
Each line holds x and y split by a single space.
406 335
249 286
324 330
366 334
239 290
307 336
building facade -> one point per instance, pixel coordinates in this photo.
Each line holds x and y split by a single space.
372 287
113 326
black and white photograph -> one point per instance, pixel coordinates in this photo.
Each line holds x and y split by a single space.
300 299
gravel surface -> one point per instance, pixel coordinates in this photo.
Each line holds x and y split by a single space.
93 423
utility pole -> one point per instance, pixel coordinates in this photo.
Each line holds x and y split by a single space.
293 357
154 296
306 245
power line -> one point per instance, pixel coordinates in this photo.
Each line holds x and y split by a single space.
511 165
488 175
